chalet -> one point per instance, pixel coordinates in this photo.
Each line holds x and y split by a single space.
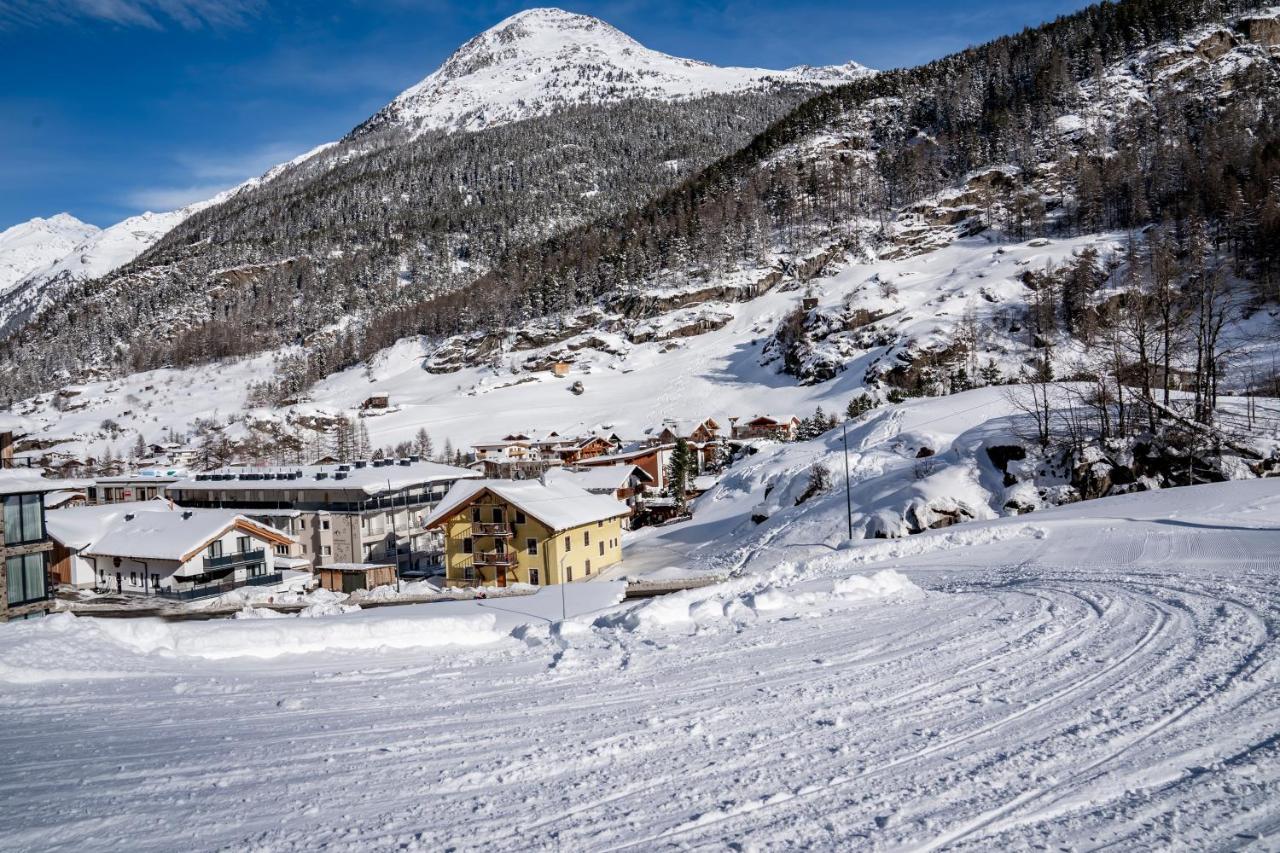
701 435
25 545
184 554
350 577
654 459
624 483
375 401
529 454
64 498
74 529
781 428
511 456
590 447
533 531
174 454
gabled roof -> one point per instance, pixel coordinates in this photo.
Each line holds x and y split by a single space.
176 534
600 477
77 527
558 505
780 420
682 427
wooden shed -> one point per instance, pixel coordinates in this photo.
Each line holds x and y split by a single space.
349 577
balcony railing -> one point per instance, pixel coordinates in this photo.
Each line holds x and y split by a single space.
208 589
494 529
494 558
239 558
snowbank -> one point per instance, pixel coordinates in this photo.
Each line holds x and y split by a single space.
787 590
263 633
269 638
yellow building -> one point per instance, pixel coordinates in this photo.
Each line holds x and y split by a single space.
499 532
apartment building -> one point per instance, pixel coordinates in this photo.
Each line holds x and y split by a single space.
499 532
358 512
25 545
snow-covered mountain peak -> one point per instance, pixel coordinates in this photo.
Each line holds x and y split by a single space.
541 60
537 34
30 245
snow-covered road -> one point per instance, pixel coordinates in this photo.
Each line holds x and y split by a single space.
1107 673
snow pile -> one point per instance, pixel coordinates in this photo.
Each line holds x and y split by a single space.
787 590
269 638
328 624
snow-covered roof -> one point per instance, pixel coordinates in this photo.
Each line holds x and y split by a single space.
173 535
76 527
599 477
625 455
141 477
370 479
558 504
781 420
60 497
16 481
682 426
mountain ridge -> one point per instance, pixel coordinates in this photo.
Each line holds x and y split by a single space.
540 60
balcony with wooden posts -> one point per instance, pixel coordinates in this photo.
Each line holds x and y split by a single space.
496 559
498 530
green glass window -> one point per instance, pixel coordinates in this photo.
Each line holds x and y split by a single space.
23 518
26 579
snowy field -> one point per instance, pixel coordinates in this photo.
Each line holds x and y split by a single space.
1101 674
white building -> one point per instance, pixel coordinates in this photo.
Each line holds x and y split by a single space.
171 552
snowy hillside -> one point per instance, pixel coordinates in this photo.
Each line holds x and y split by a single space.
29 246
705 355
1103 675
542 60
100 251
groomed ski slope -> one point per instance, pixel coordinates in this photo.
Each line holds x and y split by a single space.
1100 674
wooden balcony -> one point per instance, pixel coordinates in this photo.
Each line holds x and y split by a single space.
480 528
504 559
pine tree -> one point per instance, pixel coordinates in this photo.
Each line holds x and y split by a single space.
859 406
681 471
363 447
422 444
990 373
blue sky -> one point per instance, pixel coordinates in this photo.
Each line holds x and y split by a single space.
112 107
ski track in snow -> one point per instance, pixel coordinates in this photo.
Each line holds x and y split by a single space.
1095 680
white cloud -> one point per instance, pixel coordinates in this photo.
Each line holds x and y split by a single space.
204 175
161 199
153 14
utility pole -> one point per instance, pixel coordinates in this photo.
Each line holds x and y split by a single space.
564 612
848 486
